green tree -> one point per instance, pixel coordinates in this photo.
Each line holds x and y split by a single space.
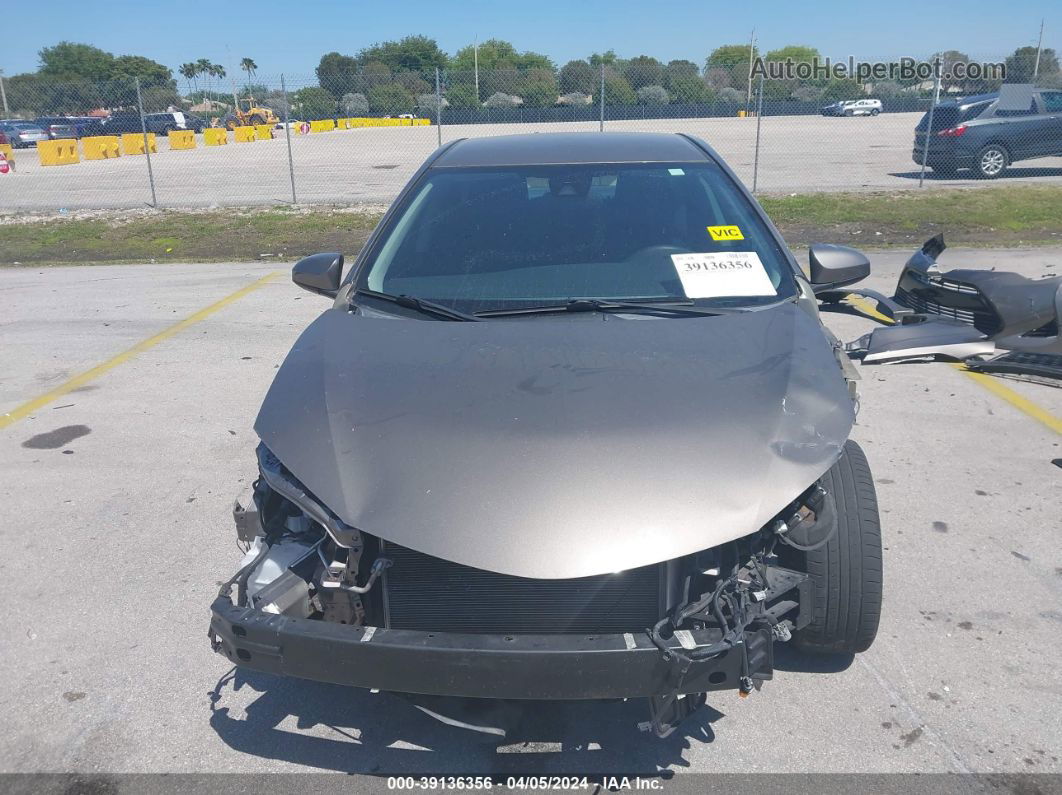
606 58
151 73
338 74
799 53
312 103
617 90
1022 64
410 54
643 70
841 88
70 61
462 95
539 88
249 66
189 72
578 76
375 73
732 63
413 83
679 70
783 89
730 55
653 95
688 89
354 105
390 98
498 55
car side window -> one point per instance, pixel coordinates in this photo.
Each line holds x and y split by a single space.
1052 101
1029 111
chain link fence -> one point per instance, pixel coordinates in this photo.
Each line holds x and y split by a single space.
357 138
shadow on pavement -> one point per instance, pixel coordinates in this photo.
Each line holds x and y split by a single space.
1012 172
787 658
348 729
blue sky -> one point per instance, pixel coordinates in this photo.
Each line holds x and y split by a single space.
290 37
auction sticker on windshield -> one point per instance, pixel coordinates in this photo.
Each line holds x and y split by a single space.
725 233
715 274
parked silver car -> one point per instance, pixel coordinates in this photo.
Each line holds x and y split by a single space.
22 134
571 429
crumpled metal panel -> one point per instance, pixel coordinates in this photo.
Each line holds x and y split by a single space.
559 446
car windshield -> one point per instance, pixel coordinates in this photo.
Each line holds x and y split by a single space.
510 237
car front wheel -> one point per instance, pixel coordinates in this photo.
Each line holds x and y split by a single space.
991 161
845 573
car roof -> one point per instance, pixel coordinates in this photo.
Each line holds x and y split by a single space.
974 99
569 148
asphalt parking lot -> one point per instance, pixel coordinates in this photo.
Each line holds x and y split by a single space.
116 533
797 154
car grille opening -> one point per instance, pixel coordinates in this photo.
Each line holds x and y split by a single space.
429 594
983 318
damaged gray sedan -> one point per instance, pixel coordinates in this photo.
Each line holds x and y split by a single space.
570 429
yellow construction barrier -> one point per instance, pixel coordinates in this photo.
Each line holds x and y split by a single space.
421 122
215 136
242 135
58 152
263 132
343 124
181 139
133 143
101 147
323 125
9 153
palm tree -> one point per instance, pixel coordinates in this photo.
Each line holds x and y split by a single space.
203 67
189 72
249 66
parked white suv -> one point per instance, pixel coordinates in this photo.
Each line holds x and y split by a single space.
853 107
862 107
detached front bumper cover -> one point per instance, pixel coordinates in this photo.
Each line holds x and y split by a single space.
483 666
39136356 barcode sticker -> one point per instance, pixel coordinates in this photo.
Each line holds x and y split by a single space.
716 274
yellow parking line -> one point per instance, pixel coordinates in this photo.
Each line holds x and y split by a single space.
90 375
993 385
1022 404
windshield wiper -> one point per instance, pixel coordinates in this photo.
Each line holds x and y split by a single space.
606 305
419 304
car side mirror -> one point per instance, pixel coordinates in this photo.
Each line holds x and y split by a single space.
834 266
319 273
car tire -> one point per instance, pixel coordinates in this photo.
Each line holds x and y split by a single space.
846 573
991 161
874 111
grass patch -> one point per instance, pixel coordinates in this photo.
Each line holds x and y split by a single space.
995 216
170 236
1013 215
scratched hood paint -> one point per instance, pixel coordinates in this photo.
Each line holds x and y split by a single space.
559 446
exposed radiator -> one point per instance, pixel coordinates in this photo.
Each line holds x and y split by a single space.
430 594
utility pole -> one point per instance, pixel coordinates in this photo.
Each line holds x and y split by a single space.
232 79
752 48
147 143
3 94
1039 47
475 59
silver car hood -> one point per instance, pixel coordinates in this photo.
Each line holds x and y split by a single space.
559 446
